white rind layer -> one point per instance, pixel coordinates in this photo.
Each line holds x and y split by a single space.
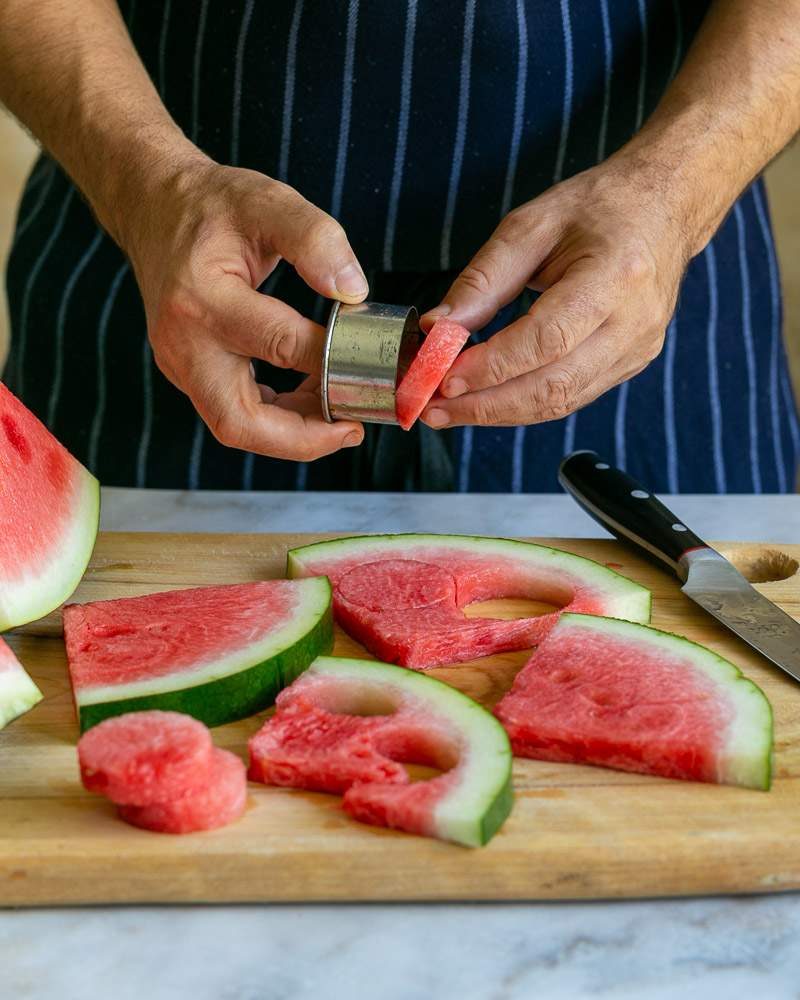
746 757
312 605
18 694
36 594
485 763
626 599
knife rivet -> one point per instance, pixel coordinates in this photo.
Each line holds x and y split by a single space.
679 527
639 494
602 465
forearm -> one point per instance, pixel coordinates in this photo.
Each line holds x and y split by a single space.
69 72
732 107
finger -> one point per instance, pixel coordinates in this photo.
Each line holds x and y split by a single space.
496 274
549 393
258 326
229 401
561 319
315 244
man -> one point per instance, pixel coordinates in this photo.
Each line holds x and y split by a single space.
240 163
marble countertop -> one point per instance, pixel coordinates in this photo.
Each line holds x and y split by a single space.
709 948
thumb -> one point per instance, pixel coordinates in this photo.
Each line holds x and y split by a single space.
316 246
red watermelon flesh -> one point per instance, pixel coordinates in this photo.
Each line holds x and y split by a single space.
49 508
620 695
221 800
425 373
146 757
345 726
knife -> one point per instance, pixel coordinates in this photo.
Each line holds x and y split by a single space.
629 511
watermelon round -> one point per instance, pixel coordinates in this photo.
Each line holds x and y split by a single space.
402 596
49 510
348 726
432 362
217 653
18 693
617 694
145 757
222 800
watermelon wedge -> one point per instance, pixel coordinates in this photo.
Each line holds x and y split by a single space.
18 693
402 595
425 373
347 726
621 695
217 653
49 510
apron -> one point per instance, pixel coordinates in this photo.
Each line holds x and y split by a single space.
418 125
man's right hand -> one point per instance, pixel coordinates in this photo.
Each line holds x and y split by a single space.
201 243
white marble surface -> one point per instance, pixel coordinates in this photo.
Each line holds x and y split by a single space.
706 949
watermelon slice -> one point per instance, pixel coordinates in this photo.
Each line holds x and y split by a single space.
621 695
145 757
221 801
49 510
425 373
18 693
345 726
402 595
217 653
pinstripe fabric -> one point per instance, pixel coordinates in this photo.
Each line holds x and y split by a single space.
420 125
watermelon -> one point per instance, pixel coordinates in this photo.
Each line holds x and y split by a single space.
18 693
145 757
402 595
49 510
221 801
217 653
617 694
425 373
347 727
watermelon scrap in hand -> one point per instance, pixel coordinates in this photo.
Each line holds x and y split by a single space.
49 511
402 595
621 695
432 362
348 726
18 693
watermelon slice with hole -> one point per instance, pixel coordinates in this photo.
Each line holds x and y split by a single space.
402 596
622 695
217 653
220 801
18 693
348 726
425 373
49 510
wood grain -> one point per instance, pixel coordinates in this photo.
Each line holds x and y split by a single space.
575 832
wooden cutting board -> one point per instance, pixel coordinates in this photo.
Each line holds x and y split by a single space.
575 832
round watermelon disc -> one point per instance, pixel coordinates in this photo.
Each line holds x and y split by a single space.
432 362
49 511
18 693
221 800
146 757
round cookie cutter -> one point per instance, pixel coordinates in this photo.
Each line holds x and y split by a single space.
368 348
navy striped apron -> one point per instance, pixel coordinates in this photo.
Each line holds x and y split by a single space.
418 124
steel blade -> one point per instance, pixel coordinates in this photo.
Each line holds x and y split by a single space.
721 590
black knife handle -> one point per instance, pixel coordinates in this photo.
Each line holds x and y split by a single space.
625 508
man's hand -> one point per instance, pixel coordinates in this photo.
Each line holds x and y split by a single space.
200 247
608 257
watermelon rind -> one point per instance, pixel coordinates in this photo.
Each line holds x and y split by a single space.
41 592
473 812
747 758
623 598
18 695
244 682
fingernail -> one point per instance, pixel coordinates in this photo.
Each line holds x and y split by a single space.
350 281
436 418
455 387
352 440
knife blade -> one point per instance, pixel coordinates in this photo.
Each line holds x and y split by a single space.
634 515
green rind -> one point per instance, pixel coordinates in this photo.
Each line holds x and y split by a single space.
754 768
18 695
57 582
478 726
637 599
234 696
